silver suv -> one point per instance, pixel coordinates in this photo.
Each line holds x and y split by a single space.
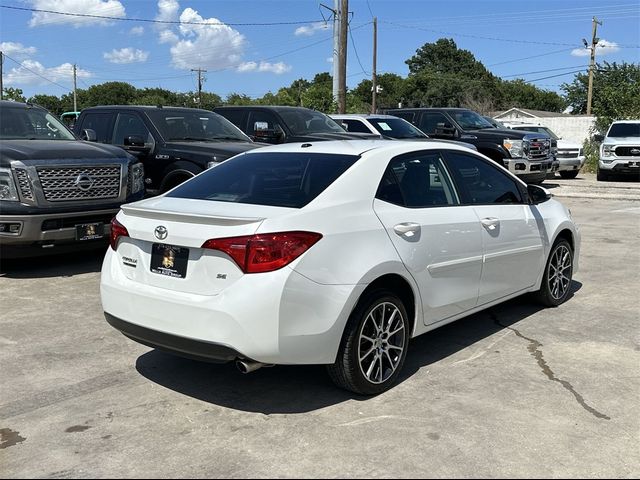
620 150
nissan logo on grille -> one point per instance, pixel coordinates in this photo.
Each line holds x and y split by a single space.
84 182
161 232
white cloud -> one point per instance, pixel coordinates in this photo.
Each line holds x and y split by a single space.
61 74
309 30
110 8
126 55
603 47
211 45
329 59
17 50
137 31
277 68
167 10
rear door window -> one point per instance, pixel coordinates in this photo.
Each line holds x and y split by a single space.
274 179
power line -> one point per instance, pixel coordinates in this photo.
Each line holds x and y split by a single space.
543 71
532 56
147 20
353 45
36 73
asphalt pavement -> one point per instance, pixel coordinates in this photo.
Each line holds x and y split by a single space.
514 391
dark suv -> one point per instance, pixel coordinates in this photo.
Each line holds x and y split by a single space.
56 192
174 143
527 155
286 124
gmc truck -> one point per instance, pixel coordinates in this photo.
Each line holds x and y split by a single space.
527 155
57 193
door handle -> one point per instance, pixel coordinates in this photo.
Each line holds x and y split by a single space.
490 223
407 229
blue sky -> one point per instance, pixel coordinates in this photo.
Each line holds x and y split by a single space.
531 39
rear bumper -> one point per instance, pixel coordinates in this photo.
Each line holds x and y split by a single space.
278 317
185 347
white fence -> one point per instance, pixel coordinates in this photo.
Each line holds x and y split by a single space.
575 128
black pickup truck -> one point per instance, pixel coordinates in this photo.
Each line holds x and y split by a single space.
527 155
57 193
174 143
272 124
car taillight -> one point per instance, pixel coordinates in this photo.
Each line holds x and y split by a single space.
264 252
117 230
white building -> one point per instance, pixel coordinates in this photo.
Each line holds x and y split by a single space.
575 128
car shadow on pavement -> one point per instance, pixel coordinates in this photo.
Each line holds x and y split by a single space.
59 265
302 389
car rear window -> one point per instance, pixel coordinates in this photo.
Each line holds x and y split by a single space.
274 179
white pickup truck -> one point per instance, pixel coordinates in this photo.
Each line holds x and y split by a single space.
620 150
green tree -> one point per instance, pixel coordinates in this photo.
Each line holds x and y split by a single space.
392 88
319 94
238 99
111 93
616 93
518 93
50 102
14 94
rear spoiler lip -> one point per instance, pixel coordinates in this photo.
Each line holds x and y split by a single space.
158 214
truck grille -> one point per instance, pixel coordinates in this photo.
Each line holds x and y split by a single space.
24 184
569 153
61 184
539 148
627 151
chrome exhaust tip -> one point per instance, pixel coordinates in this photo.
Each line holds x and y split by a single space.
247 366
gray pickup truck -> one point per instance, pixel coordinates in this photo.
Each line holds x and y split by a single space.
57 193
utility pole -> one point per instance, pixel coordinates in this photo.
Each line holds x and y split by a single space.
200 80
342 54
374 76
336 48
75 88
1 76
592 66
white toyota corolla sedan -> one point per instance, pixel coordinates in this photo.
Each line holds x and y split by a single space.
332 253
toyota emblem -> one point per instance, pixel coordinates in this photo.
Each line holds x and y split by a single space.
161 232
84 182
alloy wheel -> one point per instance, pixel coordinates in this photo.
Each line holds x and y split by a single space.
381 343
560 269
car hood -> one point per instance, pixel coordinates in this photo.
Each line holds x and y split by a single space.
38 150
622 140
564 144
224 149
498 134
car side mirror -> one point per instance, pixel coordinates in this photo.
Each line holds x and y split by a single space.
135 143
598 138
537 194
445 130
89 135
262 133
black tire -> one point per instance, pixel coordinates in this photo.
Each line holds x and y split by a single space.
548 295
569 174
347 372
602 176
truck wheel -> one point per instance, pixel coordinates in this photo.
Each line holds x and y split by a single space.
602 176
374 345
569 174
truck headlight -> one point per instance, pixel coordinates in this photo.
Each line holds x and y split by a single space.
137 178
514 147
8 189
606 151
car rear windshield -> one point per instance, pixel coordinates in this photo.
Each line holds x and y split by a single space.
624 130
274 179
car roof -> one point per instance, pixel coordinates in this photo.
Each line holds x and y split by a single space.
146 108
12 104
278 108
362 115
356 147
626 121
